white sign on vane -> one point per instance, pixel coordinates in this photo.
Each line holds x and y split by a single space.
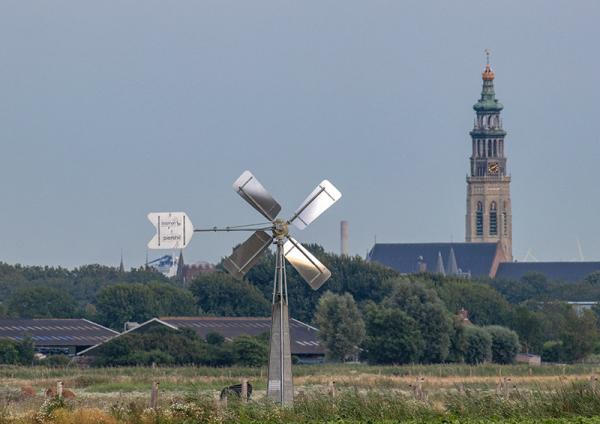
174 230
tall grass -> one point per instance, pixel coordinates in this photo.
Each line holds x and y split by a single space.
569 403
454 394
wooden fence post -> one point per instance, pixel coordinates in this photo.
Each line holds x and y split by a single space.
59 389
154 395
244 391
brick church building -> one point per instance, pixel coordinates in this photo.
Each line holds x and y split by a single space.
487 250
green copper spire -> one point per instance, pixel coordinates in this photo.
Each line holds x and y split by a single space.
488 102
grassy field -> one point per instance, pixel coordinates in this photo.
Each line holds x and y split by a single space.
324 393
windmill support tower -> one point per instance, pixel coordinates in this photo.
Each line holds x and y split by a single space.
174 230
280 386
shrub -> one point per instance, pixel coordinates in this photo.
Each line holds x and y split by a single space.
152 357
392 336
8 352
55 361
505 344
216 339
20 352
477 345
552 351
250 351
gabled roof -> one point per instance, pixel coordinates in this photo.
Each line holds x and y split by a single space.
303 337
475 258
55 332
564 271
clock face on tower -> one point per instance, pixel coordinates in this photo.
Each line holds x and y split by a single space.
494 168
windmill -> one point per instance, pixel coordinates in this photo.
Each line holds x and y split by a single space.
174 230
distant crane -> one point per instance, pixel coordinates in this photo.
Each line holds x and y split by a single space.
580 250
528 255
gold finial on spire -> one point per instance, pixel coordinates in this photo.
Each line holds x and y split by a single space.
488 74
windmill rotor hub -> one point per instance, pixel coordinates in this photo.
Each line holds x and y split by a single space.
280 228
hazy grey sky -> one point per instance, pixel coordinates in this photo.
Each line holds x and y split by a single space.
110 110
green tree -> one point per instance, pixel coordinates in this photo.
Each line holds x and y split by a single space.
26 349
579 335
120 303
392 336
529 325
215 339
593 279
485 305
250 351
457 341
221 295
41 302
552 351
425 307
505 344
363 280
173 301
8 352
341 325
477 345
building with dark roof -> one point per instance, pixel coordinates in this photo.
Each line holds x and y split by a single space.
461 259
563 271
66 336
305 344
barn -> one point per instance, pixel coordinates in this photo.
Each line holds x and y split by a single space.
56 336
305 345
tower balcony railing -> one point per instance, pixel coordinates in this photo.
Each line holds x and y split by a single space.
486 178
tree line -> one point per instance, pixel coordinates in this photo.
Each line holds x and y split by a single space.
423 306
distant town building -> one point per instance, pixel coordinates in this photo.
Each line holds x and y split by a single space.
581 307
186 273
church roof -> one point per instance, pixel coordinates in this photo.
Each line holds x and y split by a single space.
564 271
474 258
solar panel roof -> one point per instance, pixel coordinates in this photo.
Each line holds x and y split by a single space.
303 337
55 332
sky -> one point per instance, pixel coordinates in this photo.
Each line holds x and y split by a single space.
113 109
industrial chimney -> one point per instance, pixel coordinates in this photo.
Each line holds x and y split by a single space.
344 238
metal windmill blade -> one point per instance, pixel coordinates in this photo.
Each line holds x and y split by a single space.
247 254
253 192
309 267
315 204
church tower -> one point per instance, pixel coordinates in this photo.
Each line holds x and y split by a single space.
489 217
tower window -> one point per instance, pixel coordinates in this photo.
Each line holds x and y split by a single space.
489 148
479 219
495 148
504 224
493 219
